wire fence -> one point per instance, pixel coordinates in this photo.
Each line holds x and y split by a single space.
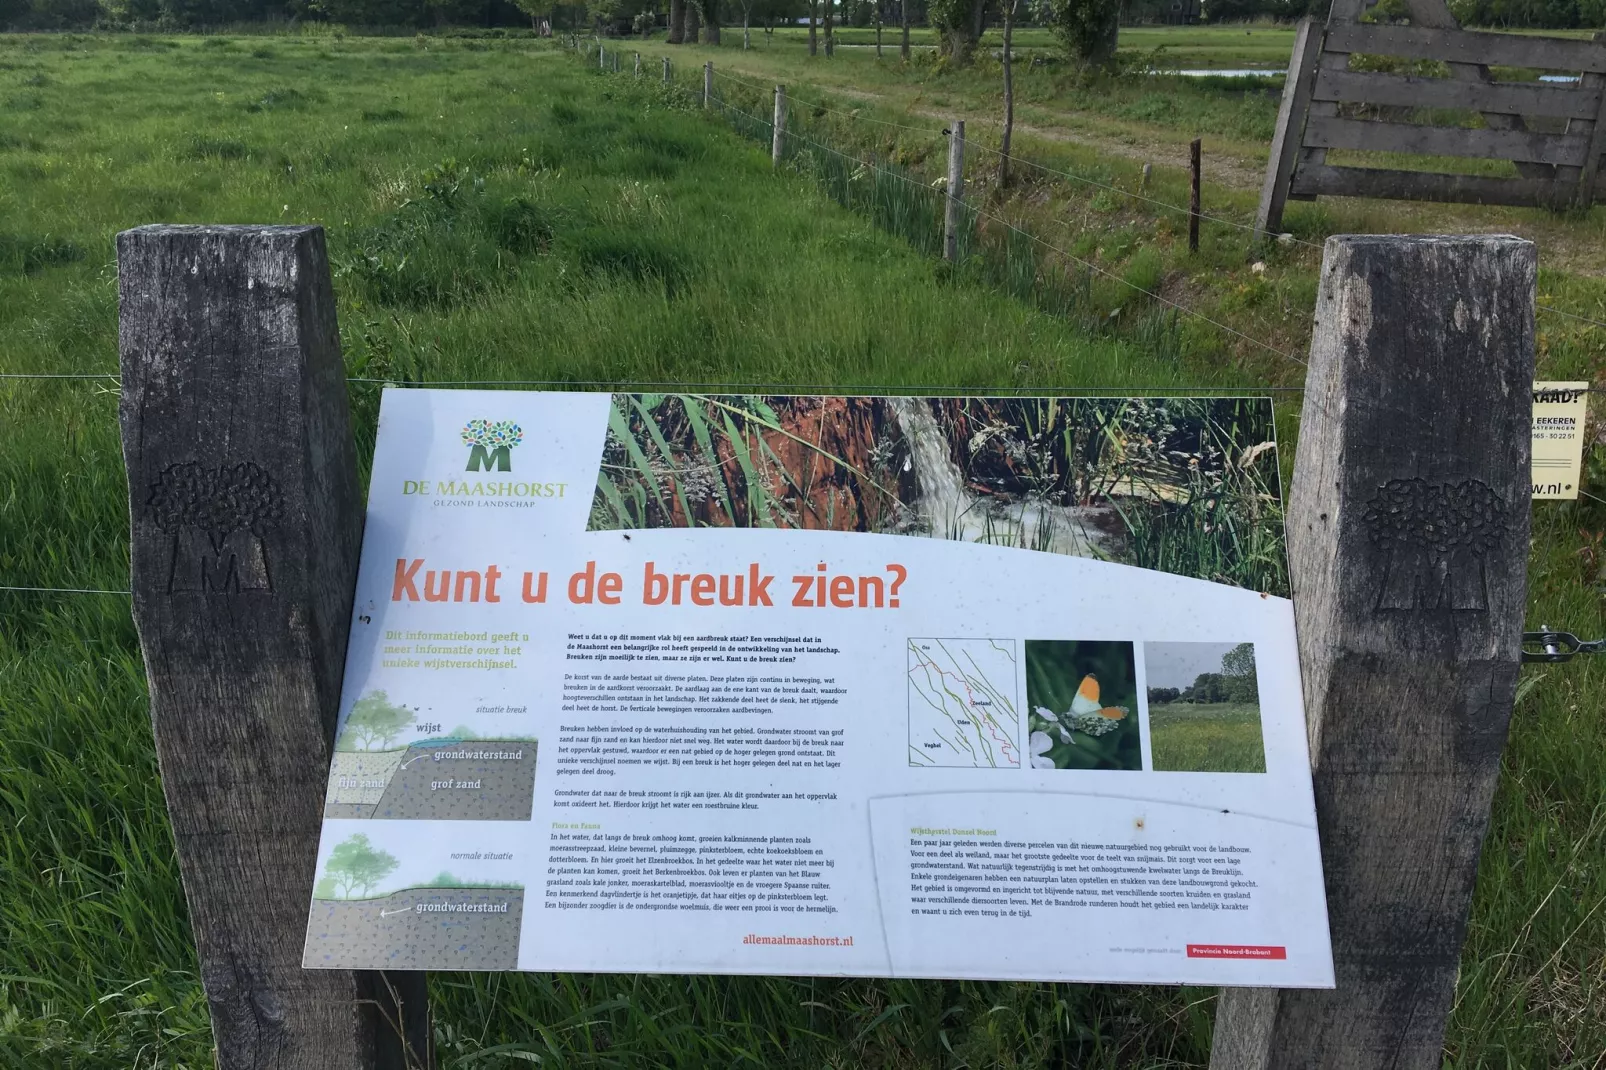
820 107
894 216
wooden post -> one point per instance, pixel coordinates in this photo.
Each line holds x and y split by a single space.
666 70
246 523
1597 139
1290 130
602 57
778 130
1193 195
708 84
903 14
1009 92
956 190
638 64
1408 547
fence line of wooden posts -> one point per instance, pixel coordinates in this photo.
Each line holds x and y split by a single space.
230 355
955 178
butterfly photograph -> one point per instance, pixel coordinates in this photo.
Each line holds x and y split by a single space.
1082 706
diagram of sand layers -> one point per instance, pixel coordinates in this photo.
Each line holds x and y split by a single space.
387 899
455 775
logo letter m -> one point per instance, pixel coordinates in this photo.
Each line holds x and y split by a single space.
499 459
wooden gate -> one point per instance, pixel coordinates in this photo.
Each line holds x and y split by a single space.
1557 156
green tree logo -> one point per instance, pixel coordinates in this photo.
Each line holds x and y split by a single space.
491 444
374 722
354 867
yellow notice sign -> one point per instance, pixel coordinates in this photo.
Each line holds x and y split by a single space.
1558 438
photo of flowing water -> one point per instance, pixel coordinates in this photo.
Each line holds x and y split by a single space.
1182 485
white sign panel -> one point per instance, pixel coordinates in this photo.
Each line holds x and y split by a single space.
938 687
1560 410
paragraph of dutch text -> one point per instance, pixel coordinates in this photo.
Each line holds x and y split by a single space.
1010 878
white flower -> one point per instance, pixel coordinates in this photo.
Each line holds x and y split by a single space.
1041 745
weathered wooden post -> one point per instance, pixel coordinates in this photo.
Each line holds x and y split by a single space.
246 523
1408 544
1193 194
956 190
1298 86
666 70
778 128
638 64
602 57
708 84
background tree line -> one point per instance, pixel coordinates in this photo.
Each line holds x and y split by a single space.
1236 682
1086 28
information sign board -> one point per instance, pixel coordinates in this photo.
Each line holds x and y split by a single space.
883 686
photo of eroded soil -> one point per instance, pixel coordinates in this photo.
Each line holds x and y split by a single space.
453 928
468 780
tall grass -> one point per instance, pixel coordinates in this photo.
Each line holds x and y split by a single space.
676 255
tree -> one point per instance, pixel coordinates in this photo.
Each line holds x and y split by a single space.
677 22
959 25
536 9
373 719
1159 696
1238 674
709 9
1086 28
355 865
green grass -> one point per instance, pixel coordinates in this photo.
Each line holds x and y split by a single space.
1211 737
495 212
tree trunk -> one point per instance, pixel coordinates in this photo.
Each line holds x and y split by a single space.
814 17
694 23
830 41
747 29
677 21
711 21
1009 93
903 14
878 30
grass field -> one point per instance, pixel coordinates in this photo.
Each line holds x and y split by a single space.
494 211
1207 737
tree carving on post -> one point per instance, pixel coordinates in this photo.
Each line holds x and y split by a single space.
1435 536
217 518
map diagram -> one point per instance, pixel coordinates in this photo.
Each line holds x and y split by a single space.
962 703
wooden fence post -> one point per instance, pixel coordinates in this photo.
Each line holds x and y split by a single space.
778 130
666 70
1290 129
1194 167
638 64
246 523
956 190
1408 547
708 84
